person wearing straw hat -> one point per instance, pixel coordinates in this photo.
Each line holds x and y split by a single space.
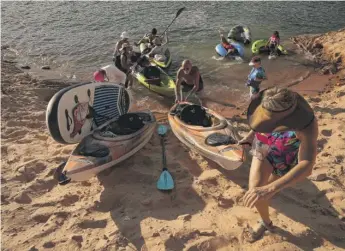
255 77
124 39
283 136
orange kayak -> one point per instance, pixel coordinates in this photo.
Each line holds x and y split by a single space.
108 145
208 133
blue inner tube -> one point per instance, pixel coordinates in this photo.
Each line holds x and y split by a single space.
222 51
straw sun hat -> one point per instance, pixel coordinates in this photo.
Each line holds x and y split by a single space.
279 109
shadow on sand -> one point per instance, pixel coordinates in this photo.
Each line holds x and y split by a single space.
131 196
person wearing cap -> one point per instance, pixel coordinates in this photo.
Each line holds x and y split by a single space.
255 77
283 136
124 39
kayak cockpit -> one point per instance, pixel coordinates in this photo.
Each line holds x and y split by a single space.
197 117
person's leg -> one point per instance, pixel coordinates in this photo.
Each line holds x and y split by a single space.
260 172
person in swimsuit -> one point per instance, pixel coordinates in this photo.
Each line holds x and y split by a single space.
255 77
284 147
188 76
273 43
231 50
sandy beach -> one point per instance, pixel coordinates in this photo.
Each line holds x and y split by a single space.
121 209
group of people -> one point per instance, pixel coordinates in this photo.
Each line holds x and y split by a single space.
283 132
125 59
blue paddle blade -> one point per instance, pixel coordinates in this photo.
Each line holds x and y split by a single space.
165 181
162 130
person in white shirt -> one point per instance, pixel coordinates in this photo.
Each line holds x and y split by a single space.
124 40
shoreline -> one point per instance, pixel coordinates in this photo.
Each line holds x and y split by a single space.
121 209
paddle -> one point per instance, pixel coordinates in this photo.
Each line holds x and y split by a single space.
165 181
177 14
60 176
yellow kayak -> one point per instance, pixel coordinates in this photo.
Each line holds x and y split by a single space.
155 79
163 61
259 46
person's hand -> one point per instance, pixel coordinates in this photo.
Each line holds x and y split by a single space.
244 141
257 194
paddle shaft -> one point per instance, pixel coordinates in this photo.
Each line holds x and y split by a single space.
177 14
163 152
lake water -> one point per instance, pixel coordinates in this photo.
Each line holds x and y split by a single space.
76 38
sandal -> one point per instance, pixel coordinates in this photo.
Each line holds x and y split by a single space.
249 235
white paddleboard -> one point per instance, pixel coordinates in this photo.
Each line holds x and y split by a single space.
75 111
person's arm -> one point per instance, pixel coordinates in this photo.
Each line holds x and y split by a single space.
178 85
261 76
166 38
248 139
268 42
116 50
306 159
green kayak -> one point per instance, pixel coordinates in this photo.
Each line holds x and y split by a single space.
155 79
259 46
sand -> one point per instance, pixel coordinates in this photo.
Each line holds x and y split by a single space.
121 209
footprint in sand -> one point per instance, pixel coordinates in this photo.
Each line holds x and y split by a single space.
69 200
29 172
15 135
23 198
41 218
42 186
327 133
92 224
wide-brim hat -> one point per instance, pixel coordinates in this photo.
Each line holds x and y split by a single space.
294 118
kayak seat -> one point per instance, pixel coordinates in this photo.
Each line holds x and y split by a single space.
94 150
131 121
126 124
152 75
195 115
218 139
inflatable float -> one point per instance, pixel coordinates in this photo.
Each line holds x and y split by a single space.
241 34
259 46
221 51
